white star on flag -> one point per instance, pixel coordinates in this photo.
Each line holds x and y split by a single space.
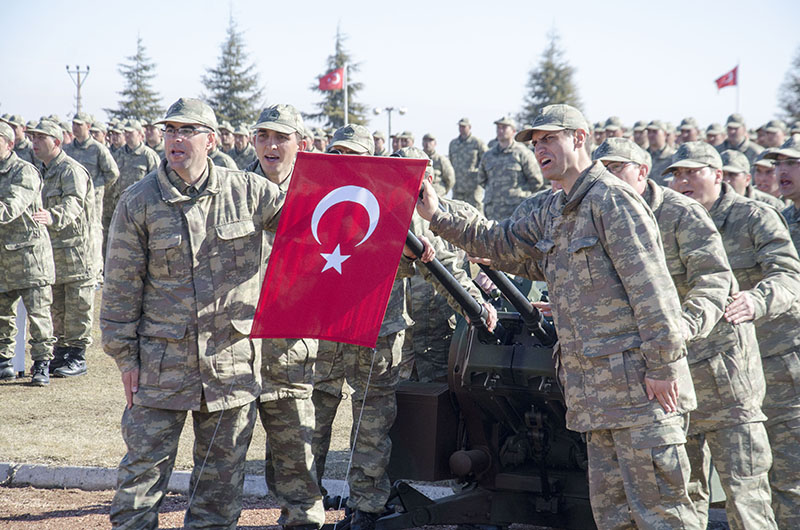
334 260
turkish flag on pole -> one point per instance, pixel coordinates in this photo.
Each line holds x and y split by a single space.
729 79
333 80
337 248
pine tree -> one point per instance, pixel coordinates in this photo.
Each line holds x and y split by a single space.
233 86
331 108
139 100
789 92
549 83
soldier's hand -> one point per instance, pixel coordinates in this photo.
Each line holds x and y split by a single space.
665 390
428 253
429 202
544 308
491 317
130 380
486 285
480 261
742 309
43 217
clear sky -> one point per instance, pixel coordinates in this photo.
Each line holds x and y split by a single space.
440 60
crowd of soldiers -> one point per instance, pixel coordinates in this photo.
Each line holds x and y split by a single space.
174 218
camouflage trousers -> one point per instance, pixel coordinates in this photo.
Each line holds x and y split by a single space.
741 455
151 436
784 477
37 302
431 353
374 375
289 462
638 477
73 311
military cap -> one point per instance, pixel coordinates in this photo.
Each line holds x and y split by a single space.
82 118
406 134
715 128
735 120
734 162
379 134
226 125
115 125
790 148
5 117
30 124
774 126
320 134
640 125
668 127
598 127
308 132
464 121
98 126
657 125
7 131
506 120
688 123
355 137
428 136
281 118
554 118
415 152
795 129
694 155
614 123
15 119
761 159
190 110
621 150
242 130
50 128
133 125
66 127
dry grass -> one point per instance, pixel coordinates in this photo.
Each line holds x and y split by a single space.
76 421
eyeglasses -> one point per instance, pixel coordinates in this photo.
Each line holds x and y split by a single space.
787 162
187 131
616 167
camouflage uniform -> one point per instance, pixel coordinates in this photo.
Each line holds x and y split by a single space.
765 263
751 193
749 148
661 159
24 150
509 176
220 159
725 363
444 175
792 216
26 260
244 158
181 288
159 149
618 318
465 156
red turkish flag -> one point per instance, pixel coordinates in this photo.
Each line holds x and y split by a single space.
337 248
333 80
729 79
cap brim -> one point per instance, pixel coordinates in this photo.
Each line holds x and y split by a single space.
188 121
734 124
358 148
734 169
691 164
788 152
40 131
274 126
615 158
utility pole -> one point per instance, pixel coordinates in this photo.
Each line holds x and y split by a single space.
78 83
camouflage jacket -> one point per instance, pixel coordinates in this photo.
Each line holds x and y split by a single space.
792 216
508 176
444 175
615 308
133 164
159 149
24 150
245 157
68 194
220 159
661 159
765 263
749 148
26 259
182 283
724 359
751 193
96 158
465 156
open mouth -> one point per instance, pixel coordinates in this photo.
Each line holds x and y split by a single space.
544 162
271 158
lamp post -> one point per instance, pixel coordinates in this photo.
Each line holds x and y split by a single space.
78 83
389 110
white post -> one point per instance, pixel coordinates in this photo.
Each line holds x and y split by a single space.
19 346
738 84
346 114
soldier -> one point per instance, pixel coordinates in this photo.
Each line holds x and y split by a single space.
226 137
22 144
181 290
320 140
243 152
154 137
613 127
68 213
219 158
724 359
599 133
660 152
738 140
774 134
444 175
395 142
26 260
764 177
736 172
640 134
508 172
715 135
116 136
465 154
689 130
765 263
287 365
99 131
618 316
66 132
380 143
406 139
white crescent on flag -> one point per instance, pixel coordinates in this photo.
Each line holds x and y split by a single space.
334 78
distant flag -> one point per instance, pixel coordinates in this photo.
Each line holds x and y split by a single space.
333 80
728 79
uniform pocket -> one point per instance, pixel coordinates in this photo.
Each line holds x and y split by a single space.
300 361
163 354
580 251
164 250
234 239
617 379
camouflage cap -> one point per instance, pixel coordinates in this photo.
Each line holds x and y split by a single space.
415 152
16 119
506 120
640 126
406 134
355 137
774 126
30 124
133 125
428 136
762 161
50 128
614 123
715 128
6 131
694 155
554 118
82 118
242 130
379 134
464 121
281 118
688 123
735 120
669 128
790 148
190 110
308 133
621 150
320 134
734 162
5 117
66 127
598 127
795 129
98 126
115 125
226 126
657 125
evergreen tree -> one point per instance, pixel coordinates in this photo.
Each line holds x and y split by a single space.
139 100
233 86
789 92
549 83
331 108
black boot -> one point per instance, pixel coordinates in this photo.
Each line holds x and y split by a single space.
40 373
363 520
59 358
7 371
75 364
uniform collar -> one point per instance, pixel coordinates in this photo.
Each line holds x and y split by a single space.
653 195
719 211
174 189
6 164
60 157
582 186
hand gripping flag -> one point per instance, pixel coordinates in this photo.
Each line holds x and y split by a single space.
338 244
333 80
729 79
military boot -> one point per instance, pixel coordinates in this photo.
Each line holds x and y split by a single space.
7 371
363 520
40 373
74 364
59 358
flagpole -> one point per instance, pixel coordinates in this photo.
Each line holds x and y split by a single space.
346 114
738 85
